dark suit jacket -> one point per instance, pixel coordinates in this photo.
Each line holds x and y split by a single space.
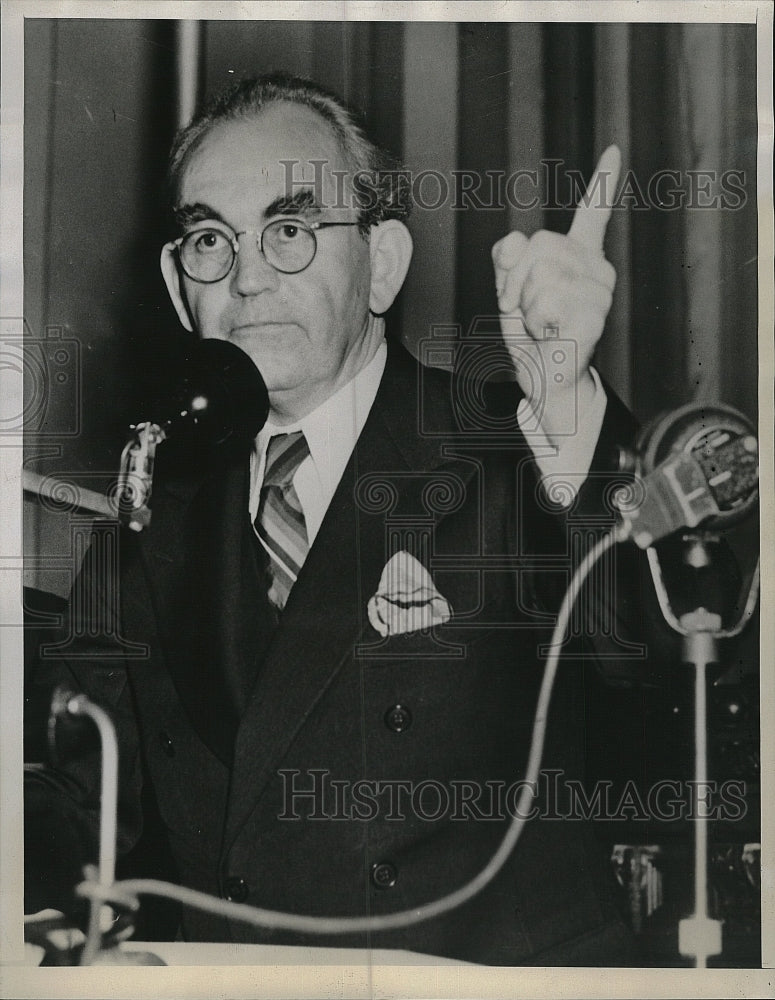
225 713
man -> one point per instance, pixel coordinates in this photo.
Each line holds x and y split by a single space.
342 624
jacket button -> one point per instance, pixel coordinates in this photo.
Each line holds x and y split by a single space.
384 874
166 743
235 889
398 718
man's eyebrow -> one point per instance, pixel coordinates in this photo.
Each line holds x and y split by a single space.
187 215
300 202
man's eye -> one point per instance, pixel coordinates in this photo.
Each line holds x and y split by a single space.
288 231
209 241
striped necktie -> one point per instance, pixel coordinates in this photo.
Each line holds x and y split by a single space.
280 519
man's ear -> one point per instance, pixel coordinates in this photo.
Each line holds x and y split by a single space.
171 274
391 252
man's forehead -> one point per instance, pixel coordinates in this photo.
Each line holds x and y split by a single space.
275 152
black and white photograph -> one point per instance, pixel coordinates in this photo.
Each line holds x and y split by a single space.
384 390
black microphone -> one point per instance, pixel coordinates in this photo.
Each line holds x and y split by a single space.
698 465
218 395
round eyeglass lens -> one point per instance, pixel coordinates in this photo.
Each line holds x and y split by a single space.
206 254
288 246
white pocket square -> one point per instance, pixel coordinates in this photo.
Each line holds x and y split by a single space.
406 599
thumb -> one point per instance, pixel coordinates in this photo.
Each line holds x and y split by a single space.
511 265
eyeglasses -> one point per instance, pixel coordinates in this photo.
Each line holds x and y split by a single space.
289 245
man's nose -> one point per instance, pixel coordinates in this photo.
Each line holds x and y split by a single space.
252 273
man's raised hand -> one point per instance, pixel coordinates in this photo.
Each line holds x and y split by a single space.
560 286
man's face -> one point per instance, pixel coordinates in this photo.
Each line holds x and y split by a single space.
307 332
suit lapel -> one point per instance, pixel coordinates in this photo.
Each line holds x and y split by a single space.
206 572
326 612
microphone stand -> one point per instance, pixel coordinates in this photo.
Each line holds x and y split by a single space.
100 933
699 936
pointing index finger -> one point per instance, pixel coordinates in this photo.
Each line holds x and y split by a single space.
594 210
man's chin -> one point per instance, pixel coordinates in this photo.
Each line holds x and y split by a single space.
280 379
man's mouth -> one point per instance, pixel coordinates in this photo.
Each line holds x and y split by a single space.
259 325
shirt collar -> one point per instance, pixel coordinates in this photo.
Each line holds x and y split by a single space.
333 427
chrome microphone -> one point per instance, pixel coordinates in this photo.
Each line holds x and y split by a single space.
698 465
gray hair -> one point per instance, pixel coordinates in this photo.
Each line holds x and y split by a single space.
382 188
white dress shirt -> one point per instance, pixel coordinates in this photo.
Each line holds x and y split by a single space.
333 428
331 431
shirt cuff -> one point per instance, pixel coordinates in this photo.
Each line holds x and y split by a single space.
568 463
